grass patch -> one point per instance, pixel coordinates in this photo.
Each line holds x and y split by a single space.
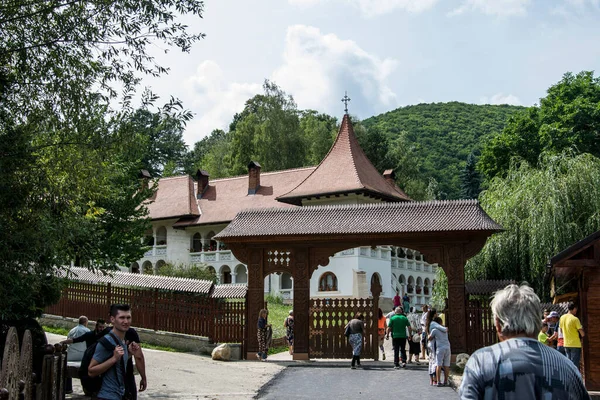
56 330
161 348
277 315
275 350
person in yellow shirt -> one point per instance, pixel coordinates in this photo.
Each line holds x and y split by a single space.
572 329
543 335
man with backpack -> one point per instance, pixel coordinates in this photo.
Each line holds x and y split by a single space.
111 354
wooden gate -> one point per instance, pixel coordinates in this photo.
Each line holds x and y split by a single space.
481 331
328 317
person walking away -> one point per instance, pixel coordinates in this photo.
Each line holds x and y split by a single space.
414 341
571 329
424 348
442 352
406 302
262 334
519 367
355 328
397 327
112 364
76 350
381 327
397 300
289 330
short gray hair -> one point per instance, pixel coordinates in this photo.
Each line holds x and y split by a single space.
517 309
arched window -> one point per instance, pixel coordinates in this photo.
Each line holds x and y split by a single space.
147 268
241 274
161 236
225 274
196 243
149 238
375 278
135 268
212 244
328 282
286 281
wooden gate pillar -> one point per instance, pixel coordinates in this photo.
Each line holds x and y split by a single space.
301 272
454 266
256 299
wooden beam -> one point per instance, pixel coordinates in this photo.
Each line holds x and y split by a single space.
578 263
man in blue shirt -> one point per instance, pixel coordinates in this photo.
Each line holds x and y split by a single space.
112 364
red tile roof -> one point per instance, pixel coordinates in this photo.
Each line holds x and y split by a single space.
345 169
174 198
404 217
224 198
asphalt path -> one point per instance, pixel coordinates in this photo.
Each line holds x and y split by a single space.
379 381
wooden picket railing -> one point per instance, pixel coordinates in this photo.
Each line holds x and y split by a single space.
481 331
221 320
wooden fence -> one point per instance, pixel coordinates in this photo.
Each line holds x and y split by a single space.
481 330
221 320
327 319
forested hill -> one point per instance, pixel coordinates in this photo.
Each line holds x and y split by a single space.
445 134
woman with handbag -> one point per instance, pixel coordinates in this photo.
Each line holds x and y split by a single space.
354 332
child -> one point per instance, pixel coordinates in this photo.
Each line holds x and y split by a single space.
432 365
442 352
543 335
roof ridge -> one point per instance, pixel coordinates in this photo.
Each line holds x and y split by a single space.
282 171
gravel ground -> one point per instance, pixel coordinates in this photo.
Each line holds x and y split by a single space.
190 376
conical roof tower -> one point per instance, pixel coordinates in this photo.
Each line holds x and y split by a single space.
345 170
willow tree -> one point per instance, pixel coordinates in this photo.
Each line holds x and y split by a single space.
543 209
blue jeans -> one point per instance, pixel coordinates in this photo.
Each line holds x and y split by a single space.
574 354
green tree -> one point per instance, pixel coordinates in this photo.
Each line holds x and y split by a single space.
267 131
568 117
160 136
470 179
318 131
69 190
207 151
543 209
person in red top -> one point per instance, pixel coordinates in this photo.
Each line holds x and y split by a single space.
397 299
381 328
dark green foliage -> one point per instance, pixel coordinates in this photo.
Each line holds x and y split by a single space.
444 134
568 117
470 179
69 188
544 209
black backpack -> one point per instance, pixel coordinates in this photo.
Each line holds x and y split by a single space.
92 385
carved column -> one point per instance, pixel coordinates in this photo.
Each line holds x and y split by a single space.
454 266
256 299
301 273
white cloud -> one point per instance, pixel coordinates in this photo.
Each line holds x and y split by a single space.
318 68
502 8
376 7
501 98
215 101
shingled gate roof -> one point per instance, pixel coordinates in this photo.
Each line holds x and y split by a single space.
345 169
118 278
230 291
486 287
405 217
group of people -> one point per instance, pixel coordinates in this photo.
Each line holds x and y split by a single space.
265 333
114 365
520 366
563 334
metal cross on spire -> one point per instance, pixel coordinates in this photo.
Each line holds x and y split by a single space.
345 100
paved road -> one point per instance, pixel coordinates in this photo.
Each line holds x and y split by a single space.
370 383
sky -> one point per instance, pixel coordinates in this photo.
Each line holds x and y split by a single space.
385 53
